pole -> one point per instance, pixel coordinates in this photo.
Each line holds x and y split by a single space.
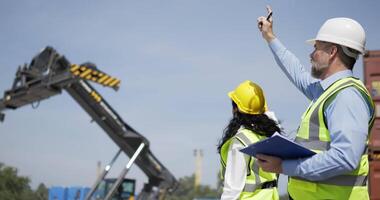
124 172
101 176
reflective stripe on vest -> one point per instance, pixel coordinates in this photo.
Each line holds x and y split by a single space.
254 174
251 187
313 141
342 180
313 132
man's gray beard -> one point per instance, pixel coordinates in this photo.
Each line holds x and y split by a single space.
317 72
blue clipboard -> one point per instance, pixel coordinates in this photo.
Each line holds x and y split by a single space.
278 146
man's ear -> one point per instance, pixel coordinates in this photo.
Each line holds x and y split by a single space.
333 51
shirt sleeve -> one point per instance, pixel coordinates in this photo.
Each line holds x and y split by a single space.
272 116
293 69
236 172
347 119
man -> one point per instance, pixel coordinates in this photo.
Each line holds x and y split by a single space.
338 121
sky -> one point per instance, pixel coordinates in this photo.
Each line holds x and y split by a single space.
177 61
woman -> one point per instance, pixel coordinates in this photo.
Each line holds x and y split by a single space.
243 179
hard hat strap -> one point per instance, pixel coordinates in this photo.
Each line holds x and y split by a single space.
349 53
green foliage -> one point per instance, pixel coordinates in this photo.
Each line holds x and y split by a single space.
186 190
42 192
14 187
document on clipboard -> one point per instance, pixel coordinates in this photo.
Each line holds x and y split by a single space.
278 146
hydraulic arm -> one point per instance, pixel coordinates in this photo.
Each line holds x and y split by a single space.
49 73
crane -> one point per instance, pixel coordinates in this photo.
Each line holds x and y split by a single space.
48 74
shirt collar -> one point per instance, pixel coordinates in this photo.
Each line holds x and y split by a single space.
331 79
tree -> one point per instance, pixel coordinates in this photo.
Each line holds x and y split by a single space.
14 187
42 192
186 190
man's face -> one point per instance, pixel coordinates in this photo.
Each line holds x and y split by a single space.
319 59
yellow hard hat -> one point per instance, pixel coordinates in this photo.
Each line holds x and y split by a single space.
249 97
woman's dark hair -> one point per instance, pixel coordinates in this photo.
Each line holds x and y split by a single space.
260 124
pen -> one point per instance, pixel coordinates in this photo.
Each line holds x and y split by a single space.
268 18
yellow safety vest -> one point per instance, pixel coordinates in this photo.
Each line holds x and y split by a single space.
256 177
313 134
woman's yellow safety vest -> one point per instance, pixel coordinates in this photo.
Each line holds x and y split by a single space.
256 177
313 134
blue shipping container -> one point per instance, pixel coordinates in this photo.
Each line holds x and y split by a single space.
57 193
71 193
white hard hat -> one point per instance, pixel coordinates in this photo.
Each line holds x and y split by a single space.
343 31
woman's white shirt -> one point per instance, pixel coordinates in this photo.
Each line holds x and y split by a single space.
236 172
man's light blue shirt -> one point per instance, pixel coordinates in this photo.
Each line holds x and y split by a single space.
347 120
